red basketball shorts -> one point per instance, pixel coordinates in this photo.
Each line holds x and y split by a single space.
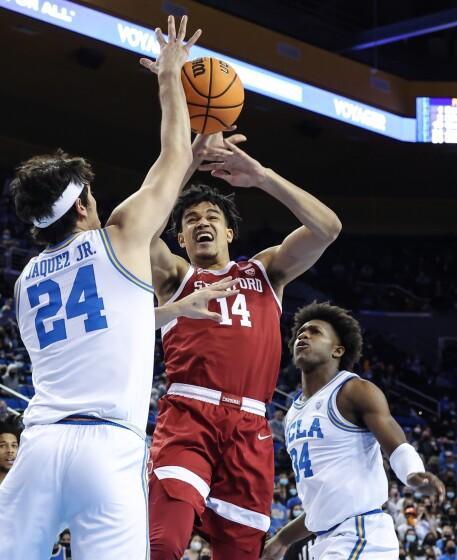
220 460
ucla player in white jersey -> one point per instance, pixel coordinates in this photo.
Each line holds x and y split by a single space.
85 312
335 431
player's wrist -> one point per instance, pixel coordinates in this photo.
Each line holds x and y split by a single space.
169 74
265 179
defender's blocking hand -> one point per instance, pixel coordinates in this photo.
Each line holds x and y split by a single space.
173 54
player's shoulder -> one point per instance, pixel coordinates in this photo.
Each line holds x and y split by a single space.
360 392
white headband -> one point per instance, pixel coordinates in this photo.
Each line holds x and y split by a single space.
61 205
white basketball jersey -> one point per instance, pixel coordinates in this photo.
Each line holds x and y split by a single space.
338 466
88 325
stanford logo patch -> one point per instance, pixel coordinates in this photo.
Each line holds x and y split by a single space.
250 271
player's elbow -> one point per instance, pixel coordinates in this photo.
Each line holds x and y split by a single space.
333 229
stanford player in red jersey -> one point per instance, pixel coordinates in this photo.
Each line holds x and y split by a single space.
212 451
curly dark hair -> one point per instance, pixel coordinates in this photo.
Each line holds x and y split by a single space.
39 182
346 327
12 425
195 194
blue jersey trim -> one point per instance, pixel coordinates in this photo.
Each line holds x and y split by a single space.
304 403
371 512
17 297
119 266
89 421
346 426
61 244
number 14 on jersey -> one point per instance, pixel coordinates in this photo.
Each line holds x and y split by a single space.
238 307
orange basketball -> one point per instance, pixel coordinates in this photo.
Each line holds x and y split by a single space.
214 94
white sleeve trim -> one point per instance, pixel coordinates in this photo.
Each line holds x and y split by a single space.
264 272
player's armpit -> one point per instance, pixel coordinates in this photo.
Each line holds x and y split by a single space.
168 269
369 406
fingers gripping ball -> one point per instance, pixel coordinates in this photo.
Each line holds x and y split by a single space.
214 93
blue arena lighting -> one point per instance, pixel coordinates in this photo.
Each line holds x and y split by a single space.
141 40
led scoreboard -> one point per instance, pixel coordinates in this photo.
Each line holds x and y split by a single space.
437 120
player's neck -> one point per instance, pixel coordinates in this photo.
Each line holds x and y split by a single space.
3 473
313 380
211 264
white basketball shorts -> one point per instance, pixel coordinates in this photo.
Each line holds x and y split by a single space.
363 537
89 477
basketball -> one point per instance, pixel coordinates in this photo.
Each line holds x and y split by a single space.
214 94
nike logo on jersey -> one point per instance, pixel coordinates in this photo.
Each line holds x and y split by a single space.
263 437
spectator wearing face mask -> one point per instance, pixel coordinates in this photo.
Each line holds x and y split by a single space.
449 551
448 535
293 499
279 514
295 512
450 493
430 544
283 479
410 541
193 552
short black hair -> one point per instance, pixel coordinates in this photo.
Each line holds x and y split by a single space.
39 182
346 327
12 424
195 194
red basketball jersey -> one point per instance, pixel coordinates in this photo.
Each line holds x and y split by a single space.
241 355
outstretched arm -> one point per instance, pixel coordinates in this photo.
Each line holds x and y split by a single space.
365 404
134 222
303 247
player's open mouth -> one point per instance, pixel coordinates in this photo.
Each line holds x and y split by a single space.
302 344
204 237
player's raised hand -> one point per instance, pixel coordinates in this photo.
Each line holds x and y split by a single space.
230 163
195 305
274 549
427 483
204 143
174 52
